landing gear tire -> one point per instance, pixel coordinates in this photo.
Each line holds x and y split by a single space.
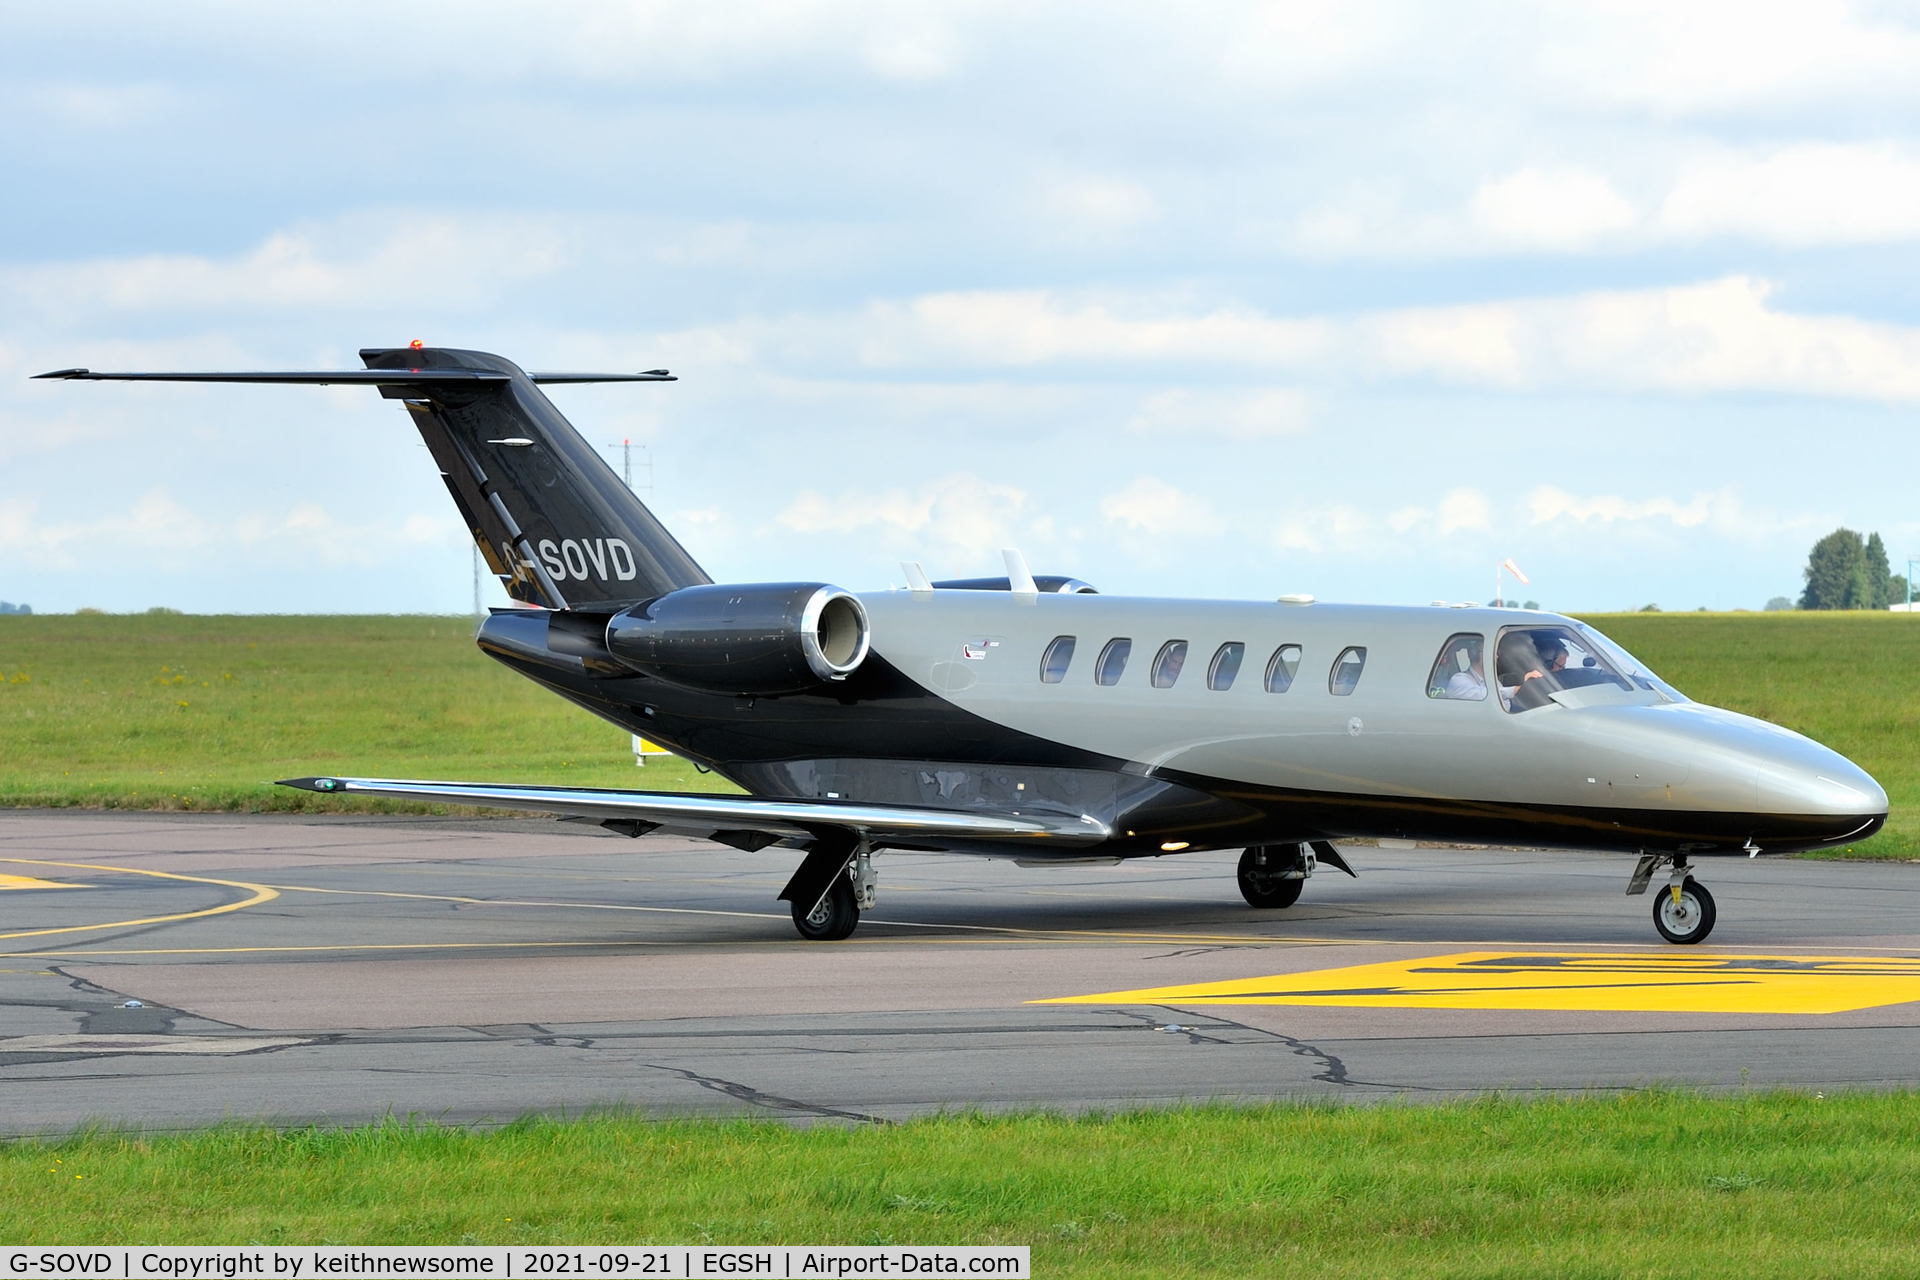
1263 886
833 919
1688 920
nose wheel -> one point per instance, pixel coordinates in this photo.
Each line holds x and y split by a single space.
1683 910
1683 913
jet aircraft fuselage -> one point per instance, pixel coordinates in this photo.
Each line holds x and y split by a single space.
953 709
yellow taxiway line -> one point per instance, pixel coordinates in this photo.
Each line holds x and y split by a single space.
260 893
28 882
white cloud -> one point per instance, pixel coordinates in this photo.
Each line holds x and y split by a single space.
443 257
166 535
1100 202
1458 511
955 517
1030 327
1795 194
1808 194
1722 512
94 106
1152 506
1726 55
1334 528
1255 414
1553 209
1717 336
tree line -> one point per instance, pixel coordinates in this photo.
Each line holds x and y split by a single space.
1846 571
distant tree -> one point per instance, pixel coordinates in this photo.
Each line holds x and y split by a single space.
1779 604
161 610
1879 575
1896 588
1531 604
15 608
1836 573
87 609
1649 608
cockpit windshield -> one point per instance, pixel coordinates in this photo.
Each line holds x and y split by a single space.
1535 662
1637 671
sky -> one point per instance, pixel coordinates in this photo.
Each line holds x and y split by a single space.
1230 300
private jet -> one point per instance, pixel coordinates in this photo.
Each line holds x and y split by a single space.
1035 719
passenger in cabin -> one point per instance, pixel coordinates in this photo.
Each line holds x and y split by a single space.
1460 674
1470 685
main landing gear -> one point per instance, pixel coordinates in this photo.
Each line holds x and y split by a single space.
830 890
1272 875
1683 911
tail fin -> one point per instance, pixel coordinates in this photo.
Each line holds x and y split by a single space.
553 520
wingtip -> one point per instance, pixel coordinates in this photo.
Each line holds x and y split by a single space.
311 784
63 373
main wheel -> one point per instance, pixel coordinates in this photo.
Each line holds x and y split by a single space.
1688 920
833 919
1263 886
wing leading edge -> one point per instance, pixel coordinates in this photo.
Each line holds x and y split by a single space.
709 815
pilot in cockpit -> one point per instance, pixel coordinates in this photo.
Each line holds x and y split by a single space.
1521 659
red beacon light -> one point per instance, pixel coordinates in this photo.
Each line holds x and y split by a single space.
416 344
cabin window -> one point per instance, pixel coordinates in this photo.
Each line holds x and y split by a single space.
1168 662
1346 669
1459 673
1055 661
1225 665
1113 661
1281 668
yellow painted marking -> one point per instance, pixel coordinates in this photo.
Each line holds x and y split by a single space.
28 882
1574 981
260 893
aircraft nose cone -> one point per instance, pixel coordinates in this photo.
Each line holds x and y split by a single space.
1803 795
1837 800
1828 784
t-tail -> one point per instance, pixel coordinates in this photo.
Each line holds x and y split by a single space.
556 524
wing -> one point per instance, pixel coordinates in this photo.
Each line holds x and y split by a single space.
741 821
362 377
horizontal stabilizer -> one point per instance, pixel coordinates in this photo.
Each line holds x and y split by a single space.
702 815
362 377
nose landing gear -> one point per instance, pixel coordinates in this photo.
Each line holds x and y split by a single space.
1683 911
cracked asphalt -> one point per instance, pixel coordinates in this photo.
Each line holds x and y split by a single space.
164 971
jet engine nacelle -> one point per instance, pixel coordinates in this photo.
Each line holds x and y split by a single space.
760 638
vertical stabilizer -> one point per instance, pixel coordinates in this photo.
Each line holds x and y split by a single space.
552 519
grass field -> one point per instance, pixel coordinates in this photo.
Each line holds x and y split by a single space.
1645 1184
169 711
185 712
